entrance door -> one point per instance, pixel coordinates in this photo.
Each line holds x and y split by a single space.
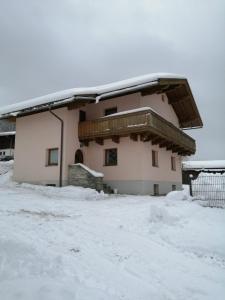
79 157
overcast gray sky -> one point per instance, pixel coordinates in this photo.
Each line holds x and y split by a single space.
50 45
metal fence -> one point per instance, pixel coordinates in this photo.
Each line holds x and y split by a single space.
209 189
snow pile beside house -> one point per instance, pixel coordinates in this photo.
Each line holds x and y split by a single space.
180 195
6 172
67 192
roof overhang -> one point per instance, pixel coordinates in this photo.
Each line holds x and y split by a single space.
177 90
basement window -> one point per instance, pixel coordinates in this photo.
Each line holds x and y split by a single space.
53 154
174 187
156 189
173 163
155 161
110 111
111 157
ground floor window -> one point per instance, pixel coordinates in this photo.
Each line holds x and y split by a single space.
53 154
156 189
174 187
111 157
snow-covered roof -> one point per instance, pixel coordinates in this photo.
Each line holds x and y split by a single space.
207 164
70 94
7 133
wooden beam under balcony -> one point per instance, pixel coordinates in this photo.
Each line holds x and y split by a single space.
134 137
165 144
157 140
99 141
116 139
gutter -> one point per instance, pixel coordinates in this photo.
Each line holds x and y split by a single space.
61 146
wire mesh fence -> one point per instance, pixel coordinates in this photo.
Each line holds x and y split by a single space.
210 189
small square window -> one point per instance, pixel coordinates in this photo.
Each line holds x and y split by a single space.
53 157
155 162
173 163
156 189
174 187
111 157
110 111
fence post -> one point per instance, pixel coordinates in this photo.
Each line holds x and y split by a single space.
190 184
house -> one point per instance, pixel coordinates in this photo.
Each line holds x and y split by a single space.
7 139
131 131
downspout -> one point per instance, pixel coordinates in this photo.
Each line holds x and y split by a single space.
61 146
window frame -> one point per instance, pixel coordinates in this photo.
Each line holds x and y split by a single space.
155 158
173 163
106 164
110 108
49 164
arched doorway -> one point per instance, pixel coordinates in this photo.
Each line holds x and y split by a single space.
79 158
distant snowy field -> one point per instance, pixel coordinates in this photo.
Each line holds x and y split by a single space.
74 243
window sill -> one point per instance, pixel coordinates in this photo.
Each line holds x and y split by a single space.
54 165
110 165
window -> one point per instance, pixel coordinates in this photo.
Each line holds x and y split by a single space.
53 157
174 187
111 157
82 116
155 162
163 98
173 163
156 189
110 111
0 153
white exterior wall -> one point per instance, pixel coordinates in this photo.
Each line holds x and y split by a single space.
38 132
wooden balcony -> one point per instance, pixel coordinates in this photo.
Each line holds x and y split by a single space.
146 123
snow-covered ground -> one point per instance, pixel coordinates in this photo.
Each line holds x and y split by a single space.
73 243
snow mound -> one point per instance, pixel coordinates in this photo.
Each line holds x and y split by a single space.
179 195
6 172
67 192
161 215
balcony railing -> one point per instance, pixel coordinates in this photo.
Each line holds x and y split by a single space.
146 123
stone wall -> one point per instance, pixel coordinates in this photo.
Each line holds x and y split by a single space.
78 176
